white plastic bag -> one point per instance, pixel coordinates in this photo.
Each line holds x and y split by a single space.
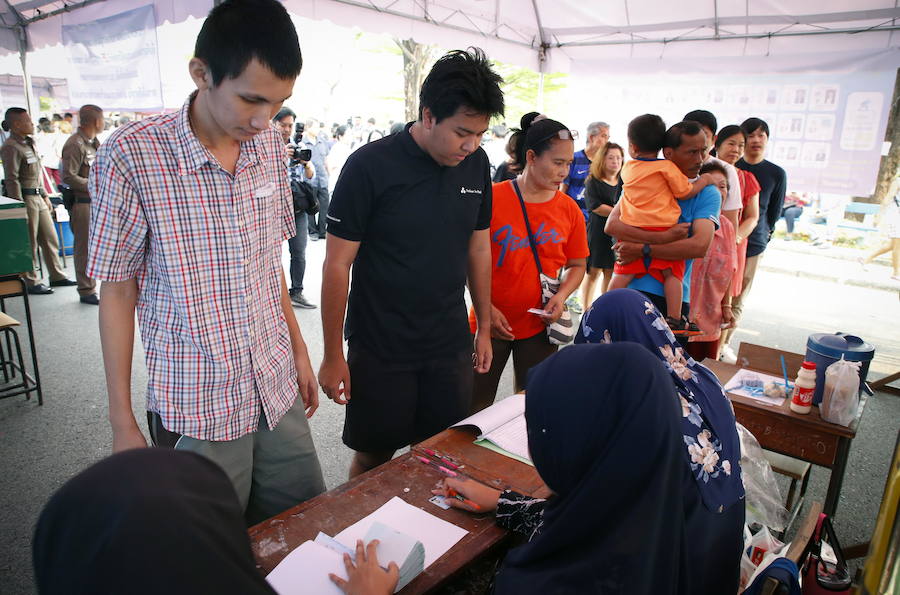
840 399
763 498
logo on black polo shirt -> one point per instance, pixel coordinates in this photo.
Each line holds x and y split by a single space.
464 190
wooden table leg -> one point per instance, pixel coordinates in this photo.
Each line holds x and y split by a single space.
837 477
883 384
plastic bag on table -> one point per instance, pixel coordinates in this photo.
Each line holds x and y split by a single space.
840 399
763 498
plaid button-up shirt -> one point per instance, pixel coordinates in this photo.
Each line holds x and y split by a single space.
205 248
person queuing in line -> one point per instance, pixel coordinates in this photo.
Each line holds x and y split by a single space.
685 144
601 193
711 279
712 487
561 245
730 143
573 185
77 157
615 523
411 214
732 206
23 180
300 172
772 187
317 140
651 191
189 213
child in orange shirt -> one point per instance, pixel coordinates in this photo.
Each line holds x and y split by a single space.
650 187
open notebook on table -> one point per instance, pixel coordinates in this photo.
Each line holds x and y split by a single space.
502 428
407 535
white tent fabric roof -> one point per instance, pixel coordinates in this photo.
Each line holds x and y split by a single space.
562 31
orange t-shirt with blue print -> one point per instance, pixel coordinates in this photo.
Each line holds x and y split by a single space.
560 234
649 192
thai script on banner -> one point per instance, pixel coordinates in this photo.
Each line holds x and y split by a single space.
115 62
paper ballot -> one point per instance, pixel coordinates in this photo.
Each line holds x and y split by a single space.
409 536
502 427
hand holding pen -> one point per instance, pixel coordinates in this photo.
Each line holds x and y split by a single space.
467 494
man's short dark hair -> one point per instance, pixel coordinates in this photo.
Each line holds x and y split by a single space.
283 113
676 133
461 79
89 113
751 125
713 166
704 118
237 31
647 133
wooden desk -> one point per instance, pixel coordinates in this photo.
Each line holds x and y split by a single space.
411 480
807 437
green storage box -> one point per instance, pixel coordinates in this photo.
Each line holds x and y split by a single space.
15 245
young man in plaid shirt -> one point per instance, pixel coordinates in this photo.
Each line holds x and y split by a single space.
190 211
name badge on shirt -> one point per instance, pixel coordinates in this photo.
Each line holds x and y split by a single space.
264 191
30 160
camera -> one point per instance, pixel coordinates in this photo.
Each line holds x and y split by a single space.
299 154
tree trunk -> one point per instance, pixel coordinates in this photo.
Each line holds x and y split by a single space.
889 163
416 57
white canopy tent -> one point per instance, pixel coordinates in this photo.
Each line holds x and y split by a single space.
842 50
547 35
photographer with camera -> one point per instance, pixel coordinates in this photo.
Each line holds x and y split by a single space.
305 205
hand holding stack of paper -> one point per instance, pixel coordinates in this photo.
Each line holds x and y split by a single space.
394 546
408 536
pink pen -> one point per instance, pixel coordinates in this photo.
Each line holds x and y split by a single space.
438 467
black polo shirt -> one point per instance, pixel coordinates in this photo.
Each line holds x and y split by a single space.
413 219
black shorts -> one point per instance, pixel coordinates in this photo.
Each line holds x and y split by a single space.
394 404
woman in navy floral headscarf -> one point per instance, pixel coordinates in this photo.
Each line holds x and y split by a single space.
714 491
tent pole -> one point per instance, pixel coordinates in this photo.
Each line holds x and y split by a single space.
26 76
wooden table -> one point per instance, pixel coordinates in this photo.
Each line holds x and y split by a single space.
803 436
411 480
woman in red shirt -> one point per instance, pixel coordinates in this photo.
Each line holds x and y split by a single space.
729 148
544 153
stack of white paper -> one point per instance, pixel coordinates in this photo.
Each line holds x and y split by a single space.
503 428
394 546
408 536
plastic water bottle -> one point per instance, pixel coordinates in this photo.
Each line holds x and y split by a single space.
804 387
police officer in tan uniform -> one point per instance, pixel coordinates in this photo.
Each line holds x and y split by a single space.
23 180
77 158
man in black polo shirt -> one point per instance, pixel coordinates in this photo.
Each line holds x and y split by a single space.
411 212
773 185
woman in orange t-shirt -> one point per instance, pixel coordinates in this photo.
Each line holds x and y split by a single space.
545 152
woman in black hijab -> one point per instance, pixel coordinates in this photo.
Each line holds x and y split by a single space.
606 440
146 521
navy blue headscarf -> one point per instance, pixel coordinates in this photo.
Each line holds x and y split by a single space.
710 439
146 521
604 435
